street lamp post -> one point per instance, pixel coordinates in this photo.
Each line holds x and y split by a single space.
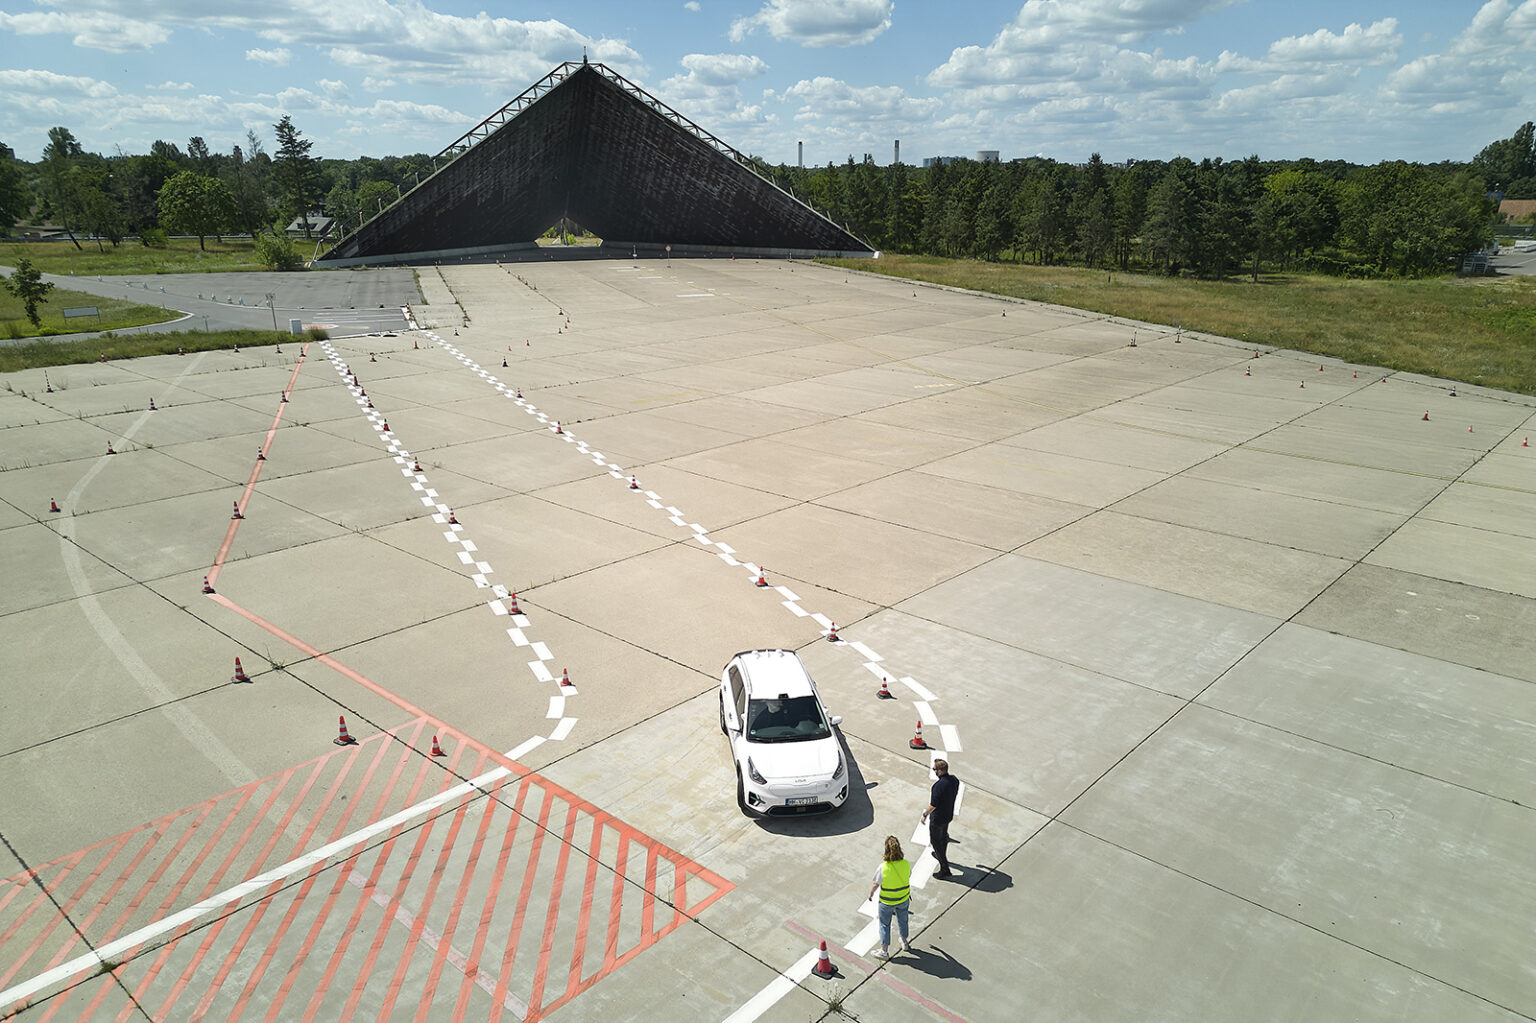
270 300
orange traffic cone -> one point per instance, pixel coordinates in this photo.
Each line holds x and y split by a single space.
53 505
512 608
517 392
343 738
832 633
415 346
503 362
237 514
917 740
565 679
109 448
762 580
152 405
1526 442
285 397
823 966
240 675
557 427
386 426
632 484
437 751
416 465
1426 417
885 690
371 358
1247 372
207 586
261 456
452 520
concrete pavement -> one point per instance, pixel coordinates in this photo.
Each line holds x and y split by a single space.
1233 654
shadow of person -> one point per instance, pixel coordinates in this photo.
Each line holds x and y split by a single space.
987 880
933 961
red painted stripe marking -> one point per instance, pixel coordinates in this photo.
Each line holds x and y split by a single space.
40 899
611 946
344 874
250 484
296 902
580 945
514 934
111 893
472 971
487 808
648 912
392 908
420 926
552 917
261 861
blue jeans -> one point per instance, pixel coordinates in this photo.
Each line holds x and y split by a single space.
900 912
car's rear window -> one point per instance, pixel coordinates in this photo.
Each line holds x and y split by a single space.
793 720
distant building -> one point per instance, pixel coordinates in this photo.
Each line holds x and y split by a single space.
1511 210
320 225
929 161
987 156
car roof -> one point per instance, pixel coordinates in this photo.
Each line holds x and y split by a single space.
771 673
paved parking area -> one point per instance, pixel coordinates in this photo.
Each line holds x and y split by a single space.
1232 650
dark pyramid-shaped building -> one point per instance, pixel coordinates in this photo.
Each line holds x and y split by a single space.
586 145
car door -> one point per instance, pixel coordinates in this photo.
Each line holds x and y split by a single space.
736 706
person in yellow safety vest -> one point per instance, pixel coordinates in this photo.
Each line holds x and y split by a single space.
894 883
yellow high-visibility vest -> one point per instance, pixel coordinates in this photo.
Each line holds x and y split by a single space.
895 882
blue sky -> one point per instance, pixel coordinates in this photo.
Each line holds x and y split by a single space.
1358 80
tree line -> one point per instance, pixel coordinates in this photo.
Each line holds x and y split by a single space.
1213 218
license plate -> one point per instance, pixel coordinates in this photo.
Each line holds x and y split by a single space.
802 800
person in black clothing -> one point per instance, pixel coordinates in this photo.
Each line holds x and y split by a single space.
941 810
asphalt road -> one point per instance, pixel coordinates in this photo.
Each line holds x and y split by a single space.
344 302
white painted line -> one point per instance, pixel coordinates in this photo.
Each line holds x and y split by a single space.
502 593
727 548
426 502
654 503
677 520
485 567
673 511
431 492
959 798
865 939
496 607
864 651
788 593
873 668
822 620
556 707
728 559
920 836
777 988
465 558
925 713
542 652
698 528
799 611
481 582
518 639
951 736
562 729
921 693
527 747
469 545
703 539
540 672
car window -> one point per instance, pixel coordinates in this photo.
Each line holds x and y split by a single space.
738 692
796 719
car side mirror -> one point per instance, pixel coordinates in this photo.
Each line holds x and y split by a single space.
837 719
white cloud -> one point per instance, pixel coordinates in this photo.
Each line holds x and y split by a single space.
818 23
173 86
723 68
332 88
277 58
692 5
96 30
1322 50
35 83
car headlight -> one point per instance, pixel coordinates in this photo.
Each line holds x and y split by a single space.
752 773
839 772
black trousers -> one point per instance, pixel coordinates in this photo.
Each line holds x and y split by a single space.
938 839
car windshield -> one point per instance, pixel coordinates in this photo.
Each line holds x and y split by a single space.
793 720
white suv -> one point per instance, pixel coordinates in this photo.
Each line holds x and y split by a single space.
787 759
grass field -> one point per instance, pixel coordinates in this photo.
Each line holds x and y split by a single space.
42 354
115 313
1476 330
180 256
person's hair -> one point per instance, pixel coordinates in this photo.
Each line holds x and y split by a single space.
941 767
892 849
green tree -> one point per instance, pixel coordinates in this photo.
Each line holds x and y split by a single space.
1130 195
298 175
14 198
27 284
59 158
244 178
192 203
1171 218
1510 160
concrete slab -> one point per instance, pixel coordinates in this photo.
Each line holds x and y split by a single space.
1066 478
766 464
1449 621
1459 725
1260 577
1490 559
1163 641
1429 875
51 569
